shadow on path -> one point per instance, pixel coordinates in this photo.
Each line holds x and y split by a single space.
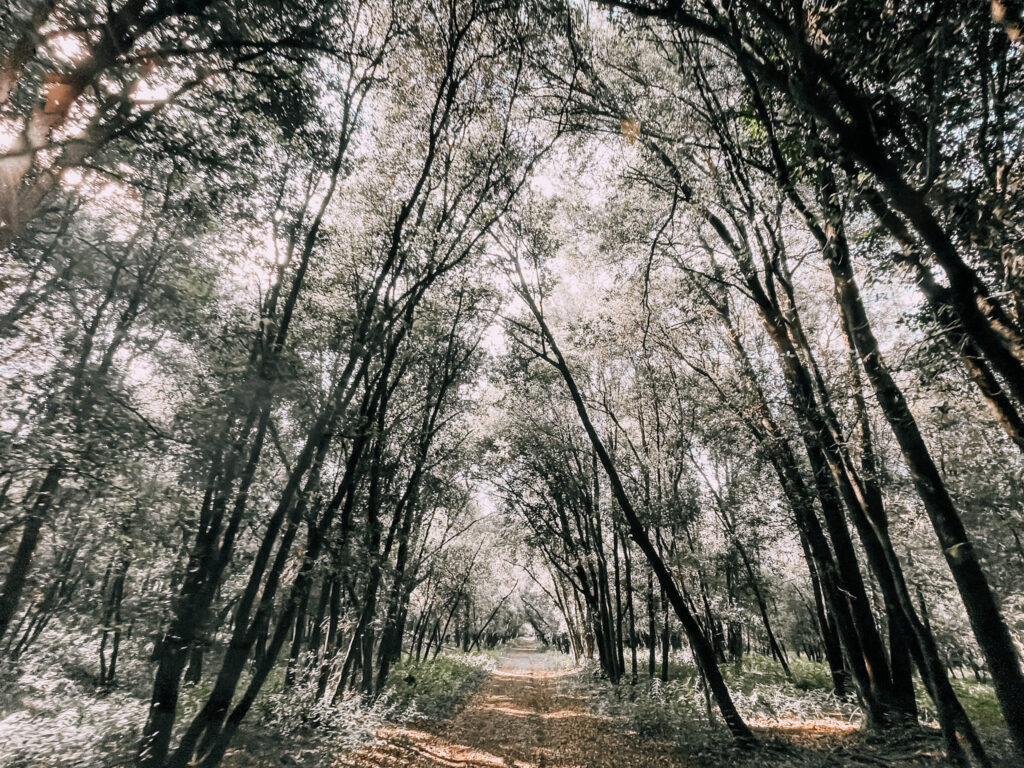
517 718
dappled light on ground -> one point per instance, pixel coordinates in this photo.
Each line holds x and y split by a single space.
522 717
406 746
532 674
518 718
811 725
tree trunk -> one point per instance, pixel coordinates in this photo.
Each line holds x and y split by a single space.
702 649
17 575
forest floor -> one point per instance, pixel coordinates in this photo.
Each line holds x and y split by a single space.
528 715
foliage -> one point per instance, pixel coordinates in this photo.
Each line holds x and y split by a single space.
677 710
431 689
337 334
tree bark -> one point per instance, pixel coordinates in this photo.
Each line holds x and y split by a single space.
702 648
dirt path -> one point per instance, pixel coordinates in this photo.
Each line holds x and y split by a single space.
517 718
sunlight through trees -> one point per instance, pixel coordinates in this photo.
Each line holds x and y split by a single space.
348 342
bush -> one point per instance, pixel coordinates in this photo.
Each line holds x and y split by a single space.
64 725
677 710
294 721
291 721
439 684
53 716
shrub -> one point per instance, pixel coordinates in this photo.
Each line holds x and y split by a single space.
439 684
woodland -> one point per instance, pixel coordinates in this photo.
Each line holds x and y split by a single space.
347 344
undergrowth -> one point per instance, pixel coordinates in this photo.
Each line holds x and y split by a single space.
438 684
52 714
289 726
679 710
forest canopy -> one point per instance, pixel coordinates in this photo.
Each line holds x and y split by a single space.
347 341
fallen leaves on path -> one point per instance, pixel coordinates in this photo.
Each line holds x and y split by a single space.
521 718
518 718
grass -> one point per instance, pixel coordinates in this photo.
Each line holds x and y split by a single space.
802 714
440 683
53 716
978 700
755 676
288 726
678 709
